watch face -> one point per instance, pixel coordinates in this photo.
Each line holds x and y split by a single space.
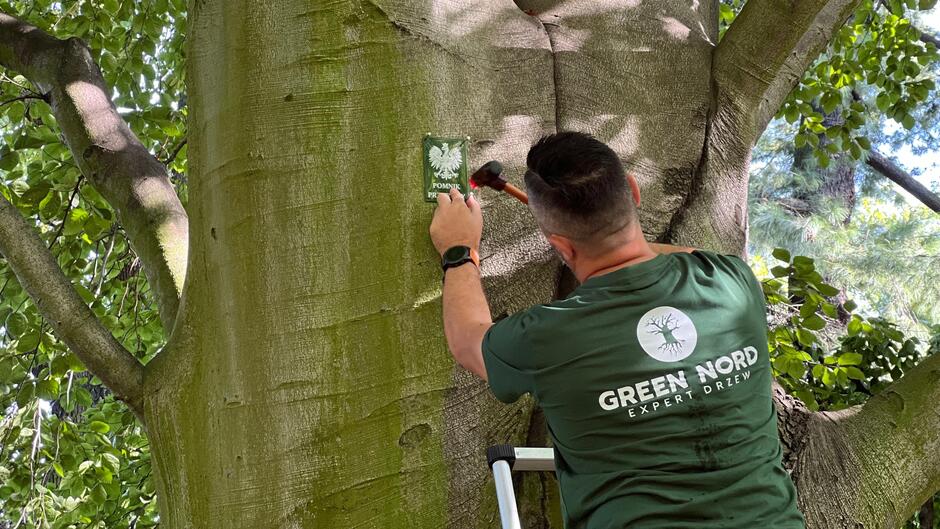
456 253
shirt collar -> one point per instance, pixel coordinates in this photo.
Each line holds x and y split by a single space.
631 277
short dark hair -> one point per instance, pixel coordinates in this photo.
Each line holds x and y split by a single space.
577 186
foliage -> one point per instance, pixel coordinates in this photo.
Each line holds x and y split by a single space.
886 258
70 455
811 356
877 51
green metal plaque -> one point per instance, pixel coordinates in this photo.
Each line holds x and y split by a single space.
445 166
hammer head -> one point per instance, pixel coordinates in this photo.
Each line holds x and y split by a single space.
490 175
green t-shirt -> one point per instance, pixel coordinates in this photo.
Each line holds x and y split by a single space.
655 382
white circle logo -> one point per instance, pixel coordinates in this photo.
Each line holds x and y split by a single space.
666 334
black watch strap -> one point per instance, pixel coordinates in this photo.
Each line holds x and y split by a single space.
459 255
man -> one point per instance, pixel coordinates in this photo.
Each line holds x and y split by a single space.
653 374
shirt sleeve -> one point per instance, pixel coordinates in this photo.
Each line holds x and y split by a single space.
741 271
504 354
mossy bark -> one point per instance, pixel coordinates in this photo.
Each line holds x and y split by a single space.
308 383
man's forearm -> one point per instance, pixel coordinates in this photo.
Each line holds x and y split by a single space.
466 316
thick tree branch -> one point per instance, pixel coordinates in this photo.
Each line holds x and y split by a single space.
899 176
768 48
898 429
929 39
71 319
867 466
115 162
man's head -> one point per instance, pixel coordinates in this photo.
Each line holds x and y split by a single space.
580 195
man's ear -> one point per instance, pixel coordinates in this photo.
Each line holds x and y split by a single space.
563 246
634 188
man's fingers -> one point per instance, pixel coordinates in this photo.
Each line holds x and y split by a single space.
455 195
443 198
473 204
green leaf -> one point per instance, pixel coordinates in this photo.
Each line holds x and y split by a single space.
58 469
796 369
883 101
48 389
25 394
74 363
803 263
59 366
855 373
827 290
75 221
100 427
36 194
99 495
807 397
814 323
808 309
841 377
849 305
28 342
805 337
82 397
16 324
780 271
792 114
855 325
104 474
8 159
818 370
850 359
781 254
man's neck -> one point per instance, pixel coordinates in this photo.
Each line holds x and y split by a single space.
635 252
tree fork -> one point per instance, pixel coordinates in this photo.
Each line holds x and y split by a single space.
132 180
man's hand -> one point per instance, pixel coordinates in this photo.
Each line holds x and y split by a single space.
456 222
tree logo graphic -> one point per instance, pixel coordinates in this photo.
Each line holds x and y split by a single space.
666 334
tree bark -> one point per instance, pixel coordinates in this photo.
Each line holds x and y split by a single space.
875 465
311 322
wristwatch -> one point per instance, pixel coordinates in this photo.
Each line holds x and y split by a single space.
458 255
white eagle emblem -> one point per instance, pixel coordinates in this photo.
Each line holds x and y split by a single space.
445 162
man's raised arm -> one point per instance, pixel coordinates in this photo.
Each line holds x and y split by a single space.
459 223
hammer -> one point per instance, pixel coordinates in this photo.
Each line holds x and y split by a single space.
490 175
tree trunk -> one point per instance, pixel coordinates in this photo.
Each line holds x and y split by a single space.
310 329
308 383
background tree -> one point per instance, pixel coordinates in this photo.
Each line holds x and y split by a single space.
305 381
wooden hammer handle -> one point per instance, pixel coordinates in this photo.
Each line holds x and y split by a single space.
516 192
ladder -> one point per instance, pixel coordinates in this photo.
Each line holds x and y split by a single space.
503 459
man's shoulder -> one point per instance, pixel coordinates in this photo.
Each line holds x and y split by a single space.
519 326
722 262
515 337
